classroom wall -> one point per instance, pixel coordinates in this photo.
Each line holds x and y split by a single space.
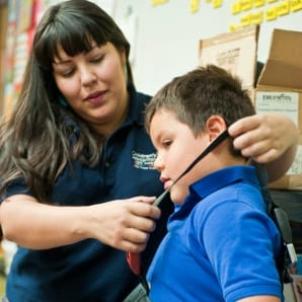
165 37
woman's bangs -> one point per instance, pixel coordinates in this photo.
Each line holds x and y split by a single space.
71 39
79 34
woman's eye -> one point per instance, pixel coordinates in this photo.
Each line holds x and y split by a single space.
67 73
97 59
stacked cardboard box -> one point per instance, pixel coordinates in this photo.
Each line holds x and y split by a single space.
279 86
235 52
279 89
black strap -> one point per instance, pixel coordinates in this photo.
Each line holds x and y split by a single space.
205 152
223 136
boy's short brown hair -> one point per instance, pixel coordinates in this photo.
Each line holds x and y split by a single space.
199 94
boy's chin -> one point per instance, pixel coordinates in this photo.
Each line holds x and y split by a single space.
177 196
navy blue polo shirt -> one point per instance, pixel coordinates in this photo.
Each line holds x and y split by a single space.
220 245
89 270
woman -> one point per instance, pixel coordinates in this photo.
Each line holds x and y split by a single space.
74 154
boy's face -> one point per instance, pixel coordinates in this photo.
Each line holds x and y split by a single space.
177 147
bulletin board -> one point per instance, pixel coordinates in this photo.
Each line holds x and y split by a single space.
165 34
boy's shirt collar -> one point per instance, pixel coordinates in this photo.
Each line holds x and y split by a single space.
212 183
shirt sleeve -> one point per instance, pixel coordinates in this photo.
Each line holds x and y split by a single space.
15 187
241 243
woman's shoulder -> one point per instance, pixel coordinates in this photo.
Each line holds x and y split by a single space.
138 95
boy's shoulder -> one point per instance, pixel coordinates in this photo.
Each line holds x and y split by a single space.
230 178
232 184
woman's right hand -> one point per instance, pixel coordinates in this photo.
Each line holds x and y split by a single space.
124 224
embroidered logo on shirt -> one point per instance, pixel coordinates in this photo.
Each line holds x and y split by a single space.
143 161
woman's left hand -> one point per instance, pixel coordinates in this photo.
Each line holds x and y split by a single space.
264 137
270 139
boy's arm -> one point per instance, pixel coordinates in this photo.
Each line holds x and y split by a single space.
241 253
269 138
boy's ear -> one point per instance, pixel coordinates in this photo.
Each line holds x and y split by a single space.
214 126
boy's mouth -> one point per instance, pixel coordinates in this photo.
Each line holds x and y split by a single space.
167 182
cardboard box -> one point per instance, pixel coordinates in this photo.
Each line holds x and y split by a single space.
279 87
235 52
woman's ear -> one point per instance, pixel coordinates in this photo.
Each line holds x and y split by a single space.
215 125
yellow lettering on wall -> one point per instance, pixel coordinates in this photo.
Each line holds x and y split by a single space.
245 20
194 6
256 18
283 8
235 8
234 27
295 5
271 14
217 3
259 3
158 2
246 4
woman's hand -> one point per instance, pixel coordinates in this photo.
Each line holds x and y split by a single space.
267 138
124 224
264 137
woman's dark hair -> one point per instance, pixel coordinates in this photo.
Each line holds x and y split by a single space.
42 136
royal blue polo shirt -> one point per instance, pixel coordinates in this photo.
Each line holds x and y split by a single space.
89 270
221 245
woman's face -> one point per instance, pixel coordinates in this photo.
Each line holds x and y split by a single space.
94 85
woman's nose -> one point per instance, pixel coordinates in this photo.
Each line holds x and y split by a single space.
88 77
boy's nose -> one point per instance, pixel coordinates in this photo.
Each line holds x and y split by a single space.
158 163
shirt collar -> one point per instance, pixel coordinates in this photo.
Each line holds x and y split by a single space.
137 102
214 182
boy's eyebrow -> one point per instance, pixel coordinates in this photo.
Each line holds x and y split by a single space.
159 136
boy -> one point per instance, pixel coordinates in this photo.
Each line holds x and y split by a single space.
221 244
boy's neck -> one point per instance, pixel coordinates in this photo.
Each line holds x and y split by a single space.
225 160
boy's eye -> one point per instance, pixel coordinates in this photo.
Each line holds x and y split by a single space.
166 143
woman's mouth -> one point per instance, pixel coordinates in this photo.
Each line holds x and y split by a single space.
96 98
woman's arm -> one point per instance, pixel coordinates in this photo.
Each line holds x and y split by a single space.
121 224
269 138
